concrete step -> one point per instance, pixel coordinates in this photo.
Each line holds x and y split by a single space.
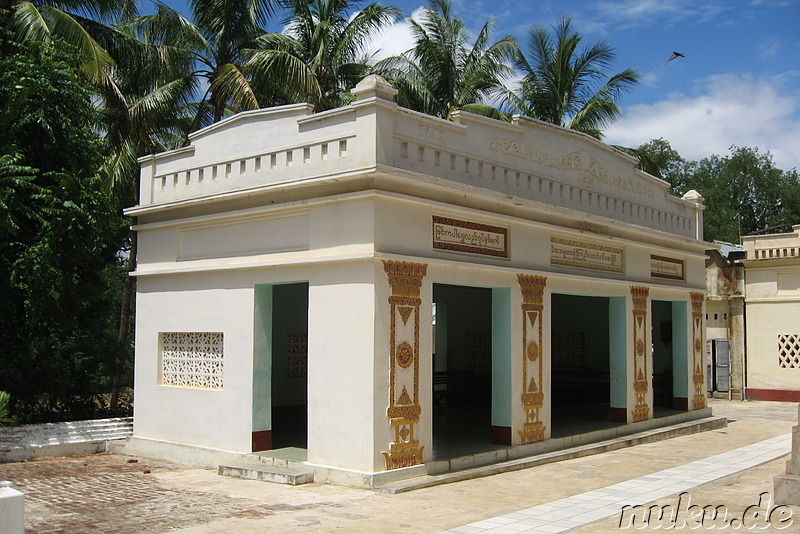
268 473
649 436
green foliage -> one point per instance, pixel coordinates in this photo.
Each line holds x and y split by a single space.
216 43
64 22
58 263
321 56
744 191
663 161
5 409
567 85
443 73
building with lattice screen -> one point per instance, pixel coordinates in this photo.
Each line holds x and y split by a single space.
772 288
383 293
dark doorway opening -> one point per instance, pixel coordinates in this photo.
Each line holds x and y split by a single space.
289 376
462 374
580 364
663 355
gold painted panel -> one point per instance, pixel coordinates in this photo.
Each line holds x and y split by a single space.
532 288
641 376
698 374
405 279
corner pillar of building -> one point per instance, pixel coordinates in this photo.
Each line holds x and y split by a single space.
342 403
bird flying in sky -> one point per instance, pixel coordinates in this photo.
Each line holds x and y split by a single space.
674 55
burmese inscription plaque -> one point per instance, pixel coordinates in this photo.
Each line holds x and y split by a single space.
586 255
664 267
465 236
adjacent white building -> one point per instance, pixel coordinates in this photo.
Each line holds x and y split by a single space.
419 288
772 288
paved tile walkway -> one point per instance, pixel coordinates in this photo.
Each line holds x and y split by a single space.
579 510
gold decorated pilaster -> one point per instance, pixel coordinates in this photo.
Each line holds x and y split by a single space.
532 288
641 383
698 375
405 279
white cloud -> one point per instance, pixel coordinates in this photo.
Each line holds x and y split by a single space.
632 13
395 39
769 48
727 110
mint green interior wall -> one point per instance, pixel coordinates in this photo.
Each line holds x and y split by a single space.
618 350
680 352
262 358
290 316
501 356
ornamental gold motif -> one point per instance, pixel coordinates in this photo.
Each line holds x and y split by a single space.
639 295
532 288
405 279
698 376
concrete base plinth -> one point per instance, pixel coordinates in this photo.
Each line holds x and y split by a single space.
787 489
12 511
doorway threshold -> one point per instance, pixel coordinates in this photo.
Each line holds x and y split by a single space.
287 454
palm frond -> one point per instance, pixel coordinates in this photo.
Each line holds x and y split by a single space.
96 61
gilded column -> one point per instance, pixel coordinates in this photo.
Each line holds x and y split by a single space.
698 374
641 347
405 279
532 288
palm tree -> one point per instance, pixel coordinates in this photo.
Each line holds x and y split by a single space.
70 21
216 43
322 50
143 103
567 86
442 73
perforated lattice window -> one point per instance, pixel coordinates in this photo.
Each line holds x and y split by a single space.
477 350
789 351
192 359
569 350
296 355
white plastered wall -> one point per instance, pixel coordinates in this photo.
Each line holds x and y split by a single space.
218 419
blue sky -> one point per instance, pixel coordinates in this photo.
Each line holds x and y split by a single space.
738 84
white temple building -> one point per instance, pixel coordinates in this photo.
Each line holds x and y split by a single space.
386 291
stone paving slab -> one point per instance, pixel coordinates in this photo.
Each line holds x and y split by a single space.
104 493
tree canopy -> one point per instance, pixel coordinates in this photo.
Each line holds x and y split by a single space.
60 235
443 72
567 85
744 191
